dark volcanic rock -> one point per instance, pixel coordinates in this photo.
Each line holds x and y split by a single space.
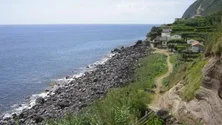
167 118
38 119
80 92
163 114
149 90
116 50
63 103
40 100
3 122
139 42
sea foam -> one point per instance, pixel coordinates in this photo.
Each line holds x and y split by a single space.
18 108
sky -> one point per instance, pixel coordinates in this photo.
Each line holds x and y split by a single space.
91 11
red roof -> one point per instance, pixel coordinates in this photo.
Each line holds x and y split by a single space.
196 43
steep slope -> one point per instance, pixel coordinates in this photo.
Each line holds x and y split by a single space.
206 106
203 8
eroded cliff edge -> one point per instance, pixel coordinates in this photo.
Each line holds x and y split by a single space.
206 106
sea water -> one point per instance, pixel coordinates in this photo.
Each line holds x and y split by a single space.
33 56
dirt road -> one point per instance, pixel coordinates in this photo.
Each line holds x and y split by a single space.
159 80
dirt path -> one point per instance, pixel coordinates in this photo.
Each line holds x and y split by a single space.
159 80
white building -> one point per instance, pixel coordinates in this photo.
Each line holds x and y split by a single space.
191 41
166 32
175 37
164 41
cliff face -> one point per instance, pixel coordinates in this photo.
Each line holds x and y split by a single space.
203 8
206 106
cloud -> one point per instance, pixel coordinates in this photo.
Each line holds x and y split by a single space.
140 5
86 11
152 11
131 6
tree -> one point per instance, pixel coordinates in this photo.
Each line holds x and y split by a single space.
155 31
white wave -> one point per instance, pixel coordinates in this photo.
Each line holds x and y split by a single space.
105 59
17 109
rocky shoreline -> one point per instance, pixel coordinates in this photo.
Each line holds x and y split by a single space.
80 92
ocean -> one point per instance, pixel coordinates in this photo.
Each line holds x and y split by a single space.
34 56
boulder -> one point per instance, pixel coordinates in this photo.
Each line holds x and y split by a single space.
163 114
79 93
63 104
40 100
3 122
95 80
116 50
149 91
139 42
83 106
38 119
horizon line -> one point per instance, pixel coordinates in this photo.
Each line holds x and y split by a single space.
83 24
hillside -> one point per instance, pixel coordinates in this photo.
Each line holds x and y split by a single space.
142 85
203 8
197 92
193 90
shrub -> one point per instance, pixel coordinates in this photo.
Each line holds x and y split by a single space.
122 106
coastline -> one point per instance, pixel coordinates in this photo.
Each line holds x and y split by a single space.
52 53
122 59
49 91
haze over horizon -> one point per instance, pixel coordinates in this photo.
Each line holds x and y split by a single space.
91 12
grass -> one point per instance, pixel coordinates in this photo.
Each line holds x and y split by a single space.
173 78
193 79
189 73
151 67
154 121
214 44
123 106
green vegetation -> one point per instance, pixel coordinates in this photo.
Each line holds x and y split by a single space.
176 41
194 28
172 80
155 31
188 73
191 24
123 106
208 7
214 44
204 29
189 56
197 28
188 65
177 44
193 78
154 121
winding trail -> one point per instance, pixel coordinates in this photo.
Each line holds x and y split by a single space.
159 80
